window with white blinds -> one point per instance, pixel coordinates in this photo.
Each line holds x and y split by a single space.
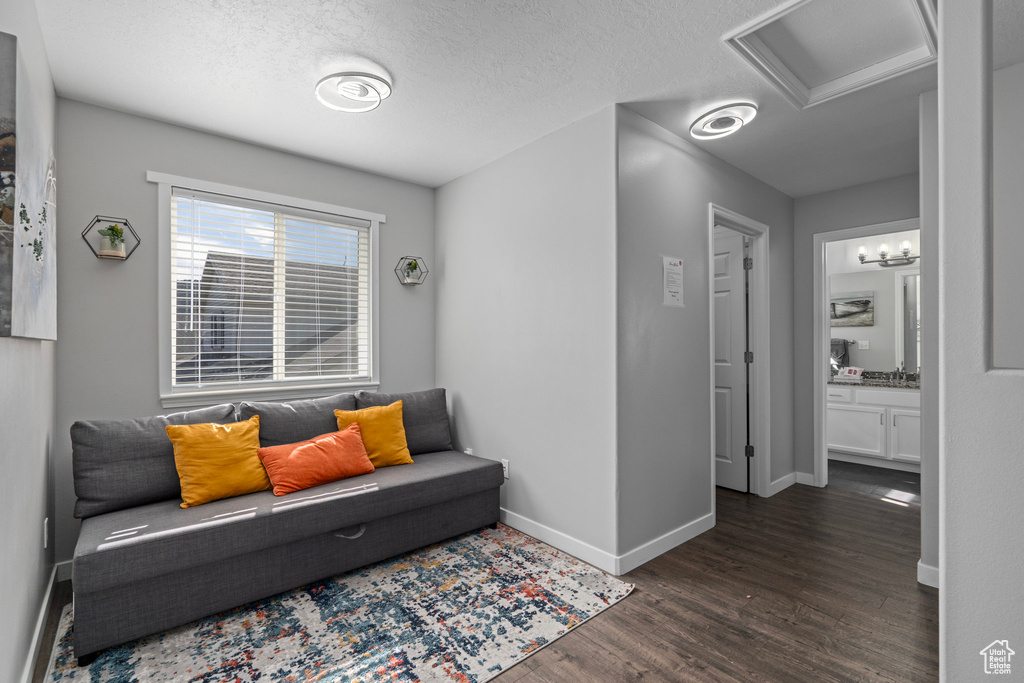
265 294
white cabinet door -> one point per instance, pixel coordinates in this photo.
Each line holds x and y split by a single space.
857 429
905 435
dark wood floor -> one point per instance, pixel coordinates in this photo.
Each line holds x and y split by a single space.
892 485
809 585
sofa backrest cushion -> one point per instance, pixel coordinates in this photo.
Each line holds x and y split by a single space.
120 464
425 414
295 421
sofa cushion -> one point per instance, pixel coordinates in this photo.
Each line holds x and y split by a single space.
161 538
294 421
217 461
383 433
119 464
328 457
425 414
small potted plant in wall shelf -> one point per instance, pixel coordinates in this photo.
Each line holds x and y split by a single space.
112 242
411 270
117 238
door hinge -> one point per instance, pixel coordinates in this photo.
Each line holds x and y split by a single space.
749 450
748 263
748 356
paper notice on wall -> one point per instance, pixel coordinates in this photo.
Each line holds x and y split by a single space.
672 273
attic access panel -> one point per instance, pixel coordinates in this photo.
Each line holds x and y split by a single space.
816 50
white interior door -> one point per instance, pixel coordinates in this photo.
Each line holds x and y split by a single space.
730 370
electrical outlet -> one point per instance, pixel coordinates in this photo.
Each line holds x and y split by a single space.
863 344
46 532
504 467
468 451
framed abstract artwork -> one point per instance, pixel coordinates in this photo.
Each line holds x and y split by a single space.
28 189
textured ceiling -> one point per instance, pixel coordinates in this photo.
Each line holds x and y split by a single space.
473 80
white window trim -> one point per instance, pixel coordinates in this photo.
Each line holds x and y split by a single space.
181 398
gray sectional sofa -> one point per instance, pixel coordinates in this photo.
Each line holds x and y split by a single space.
143 564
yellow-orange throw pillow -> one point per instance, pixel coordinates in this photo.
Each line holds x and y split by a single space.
218 461
383 433
320 460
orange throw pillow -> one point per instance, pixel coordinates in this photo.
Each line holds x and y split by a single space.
383 433
320 460
217 461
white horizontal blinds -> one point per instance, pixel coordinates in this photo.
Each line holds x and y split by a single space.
326 297
265 293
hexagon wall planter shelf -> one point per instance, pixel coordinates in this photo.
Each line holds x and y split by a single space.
411 270
103 222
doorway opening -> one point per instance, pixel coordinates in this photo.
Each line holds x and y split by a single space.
867 399
738 324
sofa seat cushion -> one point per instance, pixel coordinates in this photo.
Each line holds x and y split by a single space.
160 538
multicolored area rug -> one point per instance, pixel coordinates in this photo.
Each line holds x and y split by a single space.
463 610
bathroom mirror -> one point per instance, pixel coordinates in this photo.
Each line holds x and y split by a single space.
875 319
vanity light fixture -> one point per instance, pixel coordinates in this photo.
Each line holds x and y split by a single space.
905 258
353 91
723 121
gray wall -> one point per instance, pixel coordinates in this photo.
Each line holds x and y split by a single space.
110 307
878 202
26 407
526 329
665 186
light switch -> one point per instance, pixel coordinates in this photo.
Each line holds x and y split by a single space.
863 345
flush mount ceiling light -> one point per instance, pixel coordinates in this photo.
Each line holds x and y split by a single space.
353 91
723 121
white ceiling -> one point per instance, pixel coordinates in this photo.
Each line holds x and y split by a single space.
474 80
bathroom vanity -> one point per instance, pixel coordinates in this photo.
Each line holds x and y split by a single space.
875 423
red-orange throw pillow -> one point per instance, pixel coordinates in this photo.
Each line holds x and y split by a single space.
320 460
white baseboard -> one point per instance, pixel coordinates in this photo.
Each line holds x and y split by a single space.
63 570
927 574
575 547
805 479
37 635
650 550
875 462
613 564
782 483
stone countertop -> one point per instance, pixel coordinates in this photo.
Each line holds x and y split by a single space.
877 384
